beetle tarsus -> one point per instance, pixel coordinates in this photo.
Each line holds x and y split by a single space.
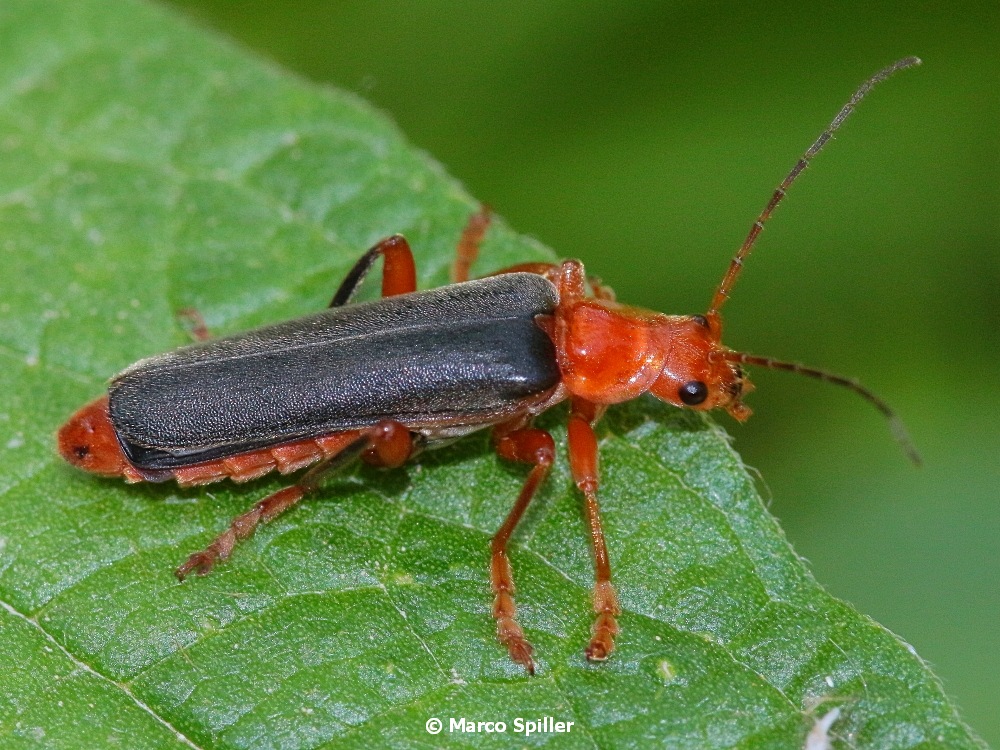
241 527
509 632
602 644
602 641
200 563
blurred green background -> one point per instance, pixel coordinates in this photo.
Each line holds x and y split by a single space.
643 138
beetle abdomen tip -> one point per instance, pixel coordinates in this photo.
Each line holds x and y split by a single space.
88 441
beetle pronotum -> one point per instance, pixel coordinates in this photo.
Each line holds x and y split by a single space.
384 379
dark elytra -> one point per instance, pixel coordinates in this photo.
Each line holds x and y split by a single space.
460 352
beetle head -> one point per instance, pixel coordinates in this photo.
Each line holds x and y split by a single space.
697 374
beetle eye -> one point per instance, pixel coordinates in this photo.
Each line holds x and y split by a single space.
693 392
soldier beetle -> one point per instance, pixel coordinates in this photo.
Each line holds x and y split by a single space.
386 379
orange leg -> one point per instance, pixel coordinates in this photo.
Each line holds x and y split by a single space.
529 445
468 244
399 272
196 324
583 457
386 444
572 281
548 270
601 290
554 272
468 251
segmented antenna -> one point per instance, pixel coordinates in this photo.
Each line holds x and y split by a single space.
736 264
895 423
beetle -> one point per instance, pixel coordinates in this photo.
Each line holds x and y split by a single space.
385 379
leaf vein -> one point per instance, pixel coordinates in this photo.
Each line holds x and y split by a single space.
83 666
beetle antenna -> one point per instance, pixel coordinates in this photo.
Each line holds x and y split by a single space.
736 264
895 423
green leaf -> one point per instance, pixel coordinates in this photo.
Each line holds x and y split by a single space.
149 167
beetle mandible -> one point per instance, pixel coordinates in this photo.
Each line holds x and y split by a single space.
382 380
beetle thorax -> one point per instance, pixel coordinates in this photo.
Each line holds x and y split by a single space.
609 353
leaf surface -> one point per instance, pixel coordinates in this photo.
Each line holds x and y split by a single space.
149 167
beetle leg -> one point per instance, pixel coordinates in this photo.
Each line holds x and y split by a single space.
554 272
468 250
583 457
399 273
529 445
196 324
549 270
389 441
391 446
600 289
468 244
